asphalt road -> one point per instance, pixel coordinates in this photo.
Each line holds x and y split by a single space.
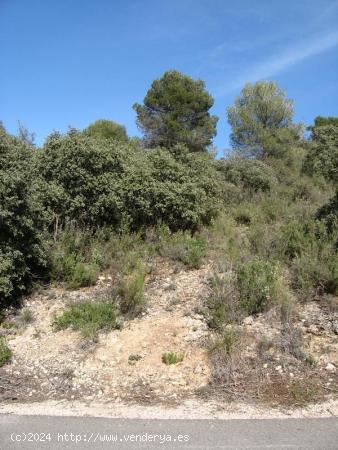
47 432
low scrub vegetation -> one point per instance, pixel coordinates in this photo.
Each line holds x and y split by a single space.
257 285
183 247
87 198
95 202
5 352
172 358
130 289
225 350
88 317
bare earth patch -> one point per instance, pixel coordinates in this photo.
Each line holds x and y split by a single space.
50 364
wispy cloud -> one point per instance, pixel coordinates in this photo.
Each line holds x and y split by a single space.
282 62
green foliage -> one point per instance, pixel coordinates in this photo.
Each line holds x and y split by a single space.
195 251
130 289
249 174
83 177
103 182
102 203
323 121
88 317
182 246
176 110
179 192
106 129
322 156
261 121
257 285
315 274
82 275
22 256
5 352
328 213
77 256
72 259
294 239
313 260
172 358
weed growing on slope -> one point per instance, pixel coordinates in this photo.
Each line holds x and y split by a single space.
172 358
88 318
5 352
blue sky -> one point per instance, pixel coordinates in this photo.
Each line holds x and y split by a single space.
72 62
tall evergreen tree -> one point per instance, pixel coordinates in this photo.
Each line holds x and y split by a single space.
176 111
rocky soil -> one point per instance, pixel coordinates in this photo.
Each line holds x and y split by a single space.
125 365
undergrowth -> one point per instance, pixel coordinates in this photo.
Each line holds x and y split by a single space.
5 352
88 317
169 358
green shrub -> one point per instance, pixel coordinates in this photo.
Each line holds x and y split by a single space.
83 275
82 176
227 240
22 253
195 251
309 248
328 213
66 268
293 239
130 289
322 156
5 352
106 129
172 358
95 182
251 175
134 357
222 303
181 246
88 317
76 257
314 274
257 285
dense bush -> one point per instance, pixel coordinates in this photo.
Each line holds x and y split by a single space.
106 129
315 273
93 182
250 174
22 256
312 257
180 192
329 213
103 202
83 177
322 157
